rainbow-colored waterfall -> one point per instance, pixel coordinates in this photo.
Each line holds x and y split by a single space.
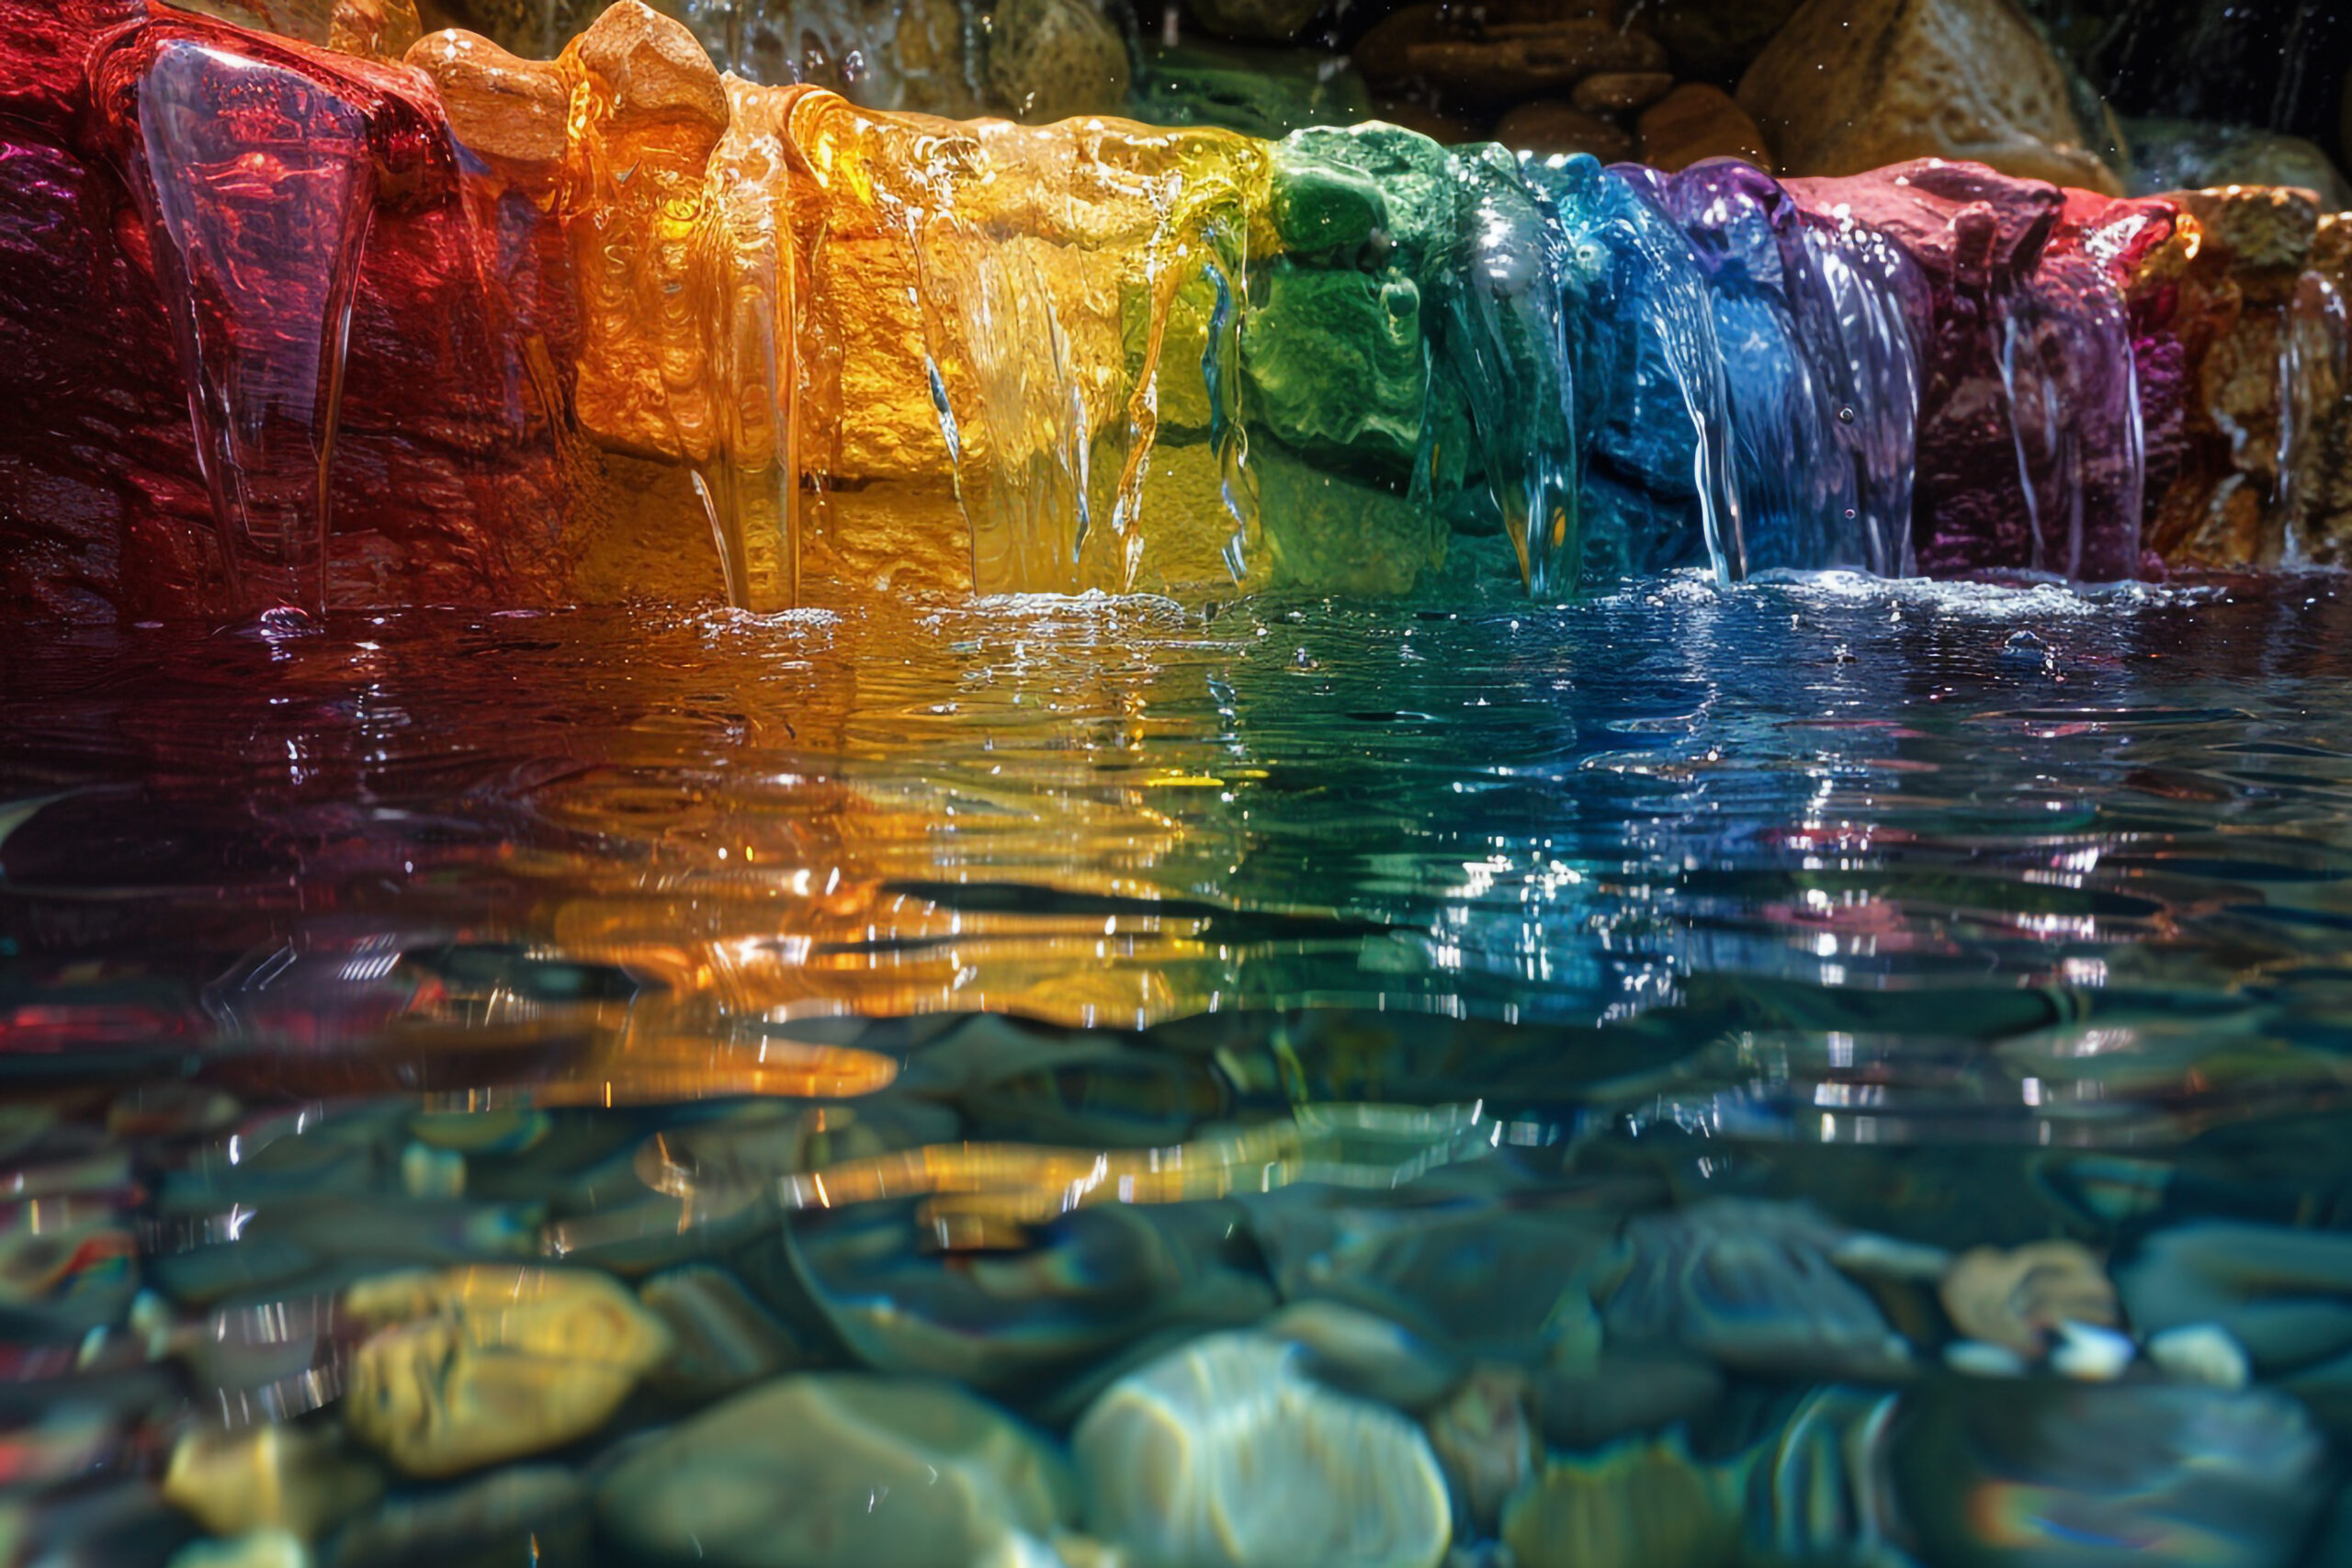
295 328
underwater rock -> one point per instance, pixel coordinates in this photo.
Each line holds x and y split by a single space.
297 1479
1854 84
836 1470
1050 60
1432 1270
1223 1455
2051 1473
262 1549
2284 1294
1484 1441
1015 1082
721 1340
2018 1299
1696 122
1547 126
532 1513
1586 1405
1370 1356
1012 1321
1638 1504
478 1365
1755 1285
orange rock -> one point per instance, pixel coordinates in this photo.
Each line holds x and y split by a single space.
510 112
1849 85
1697 121
1549 126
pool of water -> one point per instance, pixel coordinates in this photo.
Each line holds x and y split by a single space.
1826 1071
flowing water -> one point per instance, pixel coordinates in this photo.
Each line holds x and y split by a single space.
1633 1005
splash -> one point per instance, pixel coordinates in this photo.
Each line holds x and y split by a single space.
488 328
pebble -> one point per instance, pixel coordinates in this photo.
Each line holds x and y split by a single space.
1638 1504
1359 1353
295 1480
261 1549
473 1366
524 1515
2091 1353
838 1470
2017 1298
1484 1440
1696 122
1223 1454
1547 126
2201 1352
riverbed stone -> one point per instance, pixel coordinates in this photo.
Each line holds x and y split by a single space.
1849 85
837 1469
473 1366
1223 1454
2018 1297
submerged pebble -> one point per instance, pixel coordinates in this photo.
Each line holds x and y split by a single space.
838 1470
478 1365
1224 1455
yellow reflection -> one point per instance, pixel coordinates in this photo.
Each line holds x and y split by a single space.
1373 1146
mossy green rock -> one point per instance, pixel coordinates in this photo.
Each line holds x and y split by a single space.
1334 365
1261 91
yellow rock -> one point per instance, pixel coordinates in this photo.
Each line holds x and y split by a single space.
2017 1298
298 1479
473 1366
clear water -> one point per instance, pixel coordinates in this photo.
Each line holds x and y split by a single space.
1927 915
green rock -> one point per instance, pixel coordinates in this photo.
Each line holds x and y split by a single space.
1334 365
1263 92
1318 170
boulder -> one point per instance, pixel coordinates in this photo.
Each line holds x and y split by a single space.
1224 1455
1696 122
1269 21
1849 85
1621 91
1051 60
1548 126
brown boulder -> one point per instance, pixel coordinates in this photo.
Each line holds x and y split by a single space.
1548 126
1499 63
1696 122
1712 41
1266 21
1621 91
1854 84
